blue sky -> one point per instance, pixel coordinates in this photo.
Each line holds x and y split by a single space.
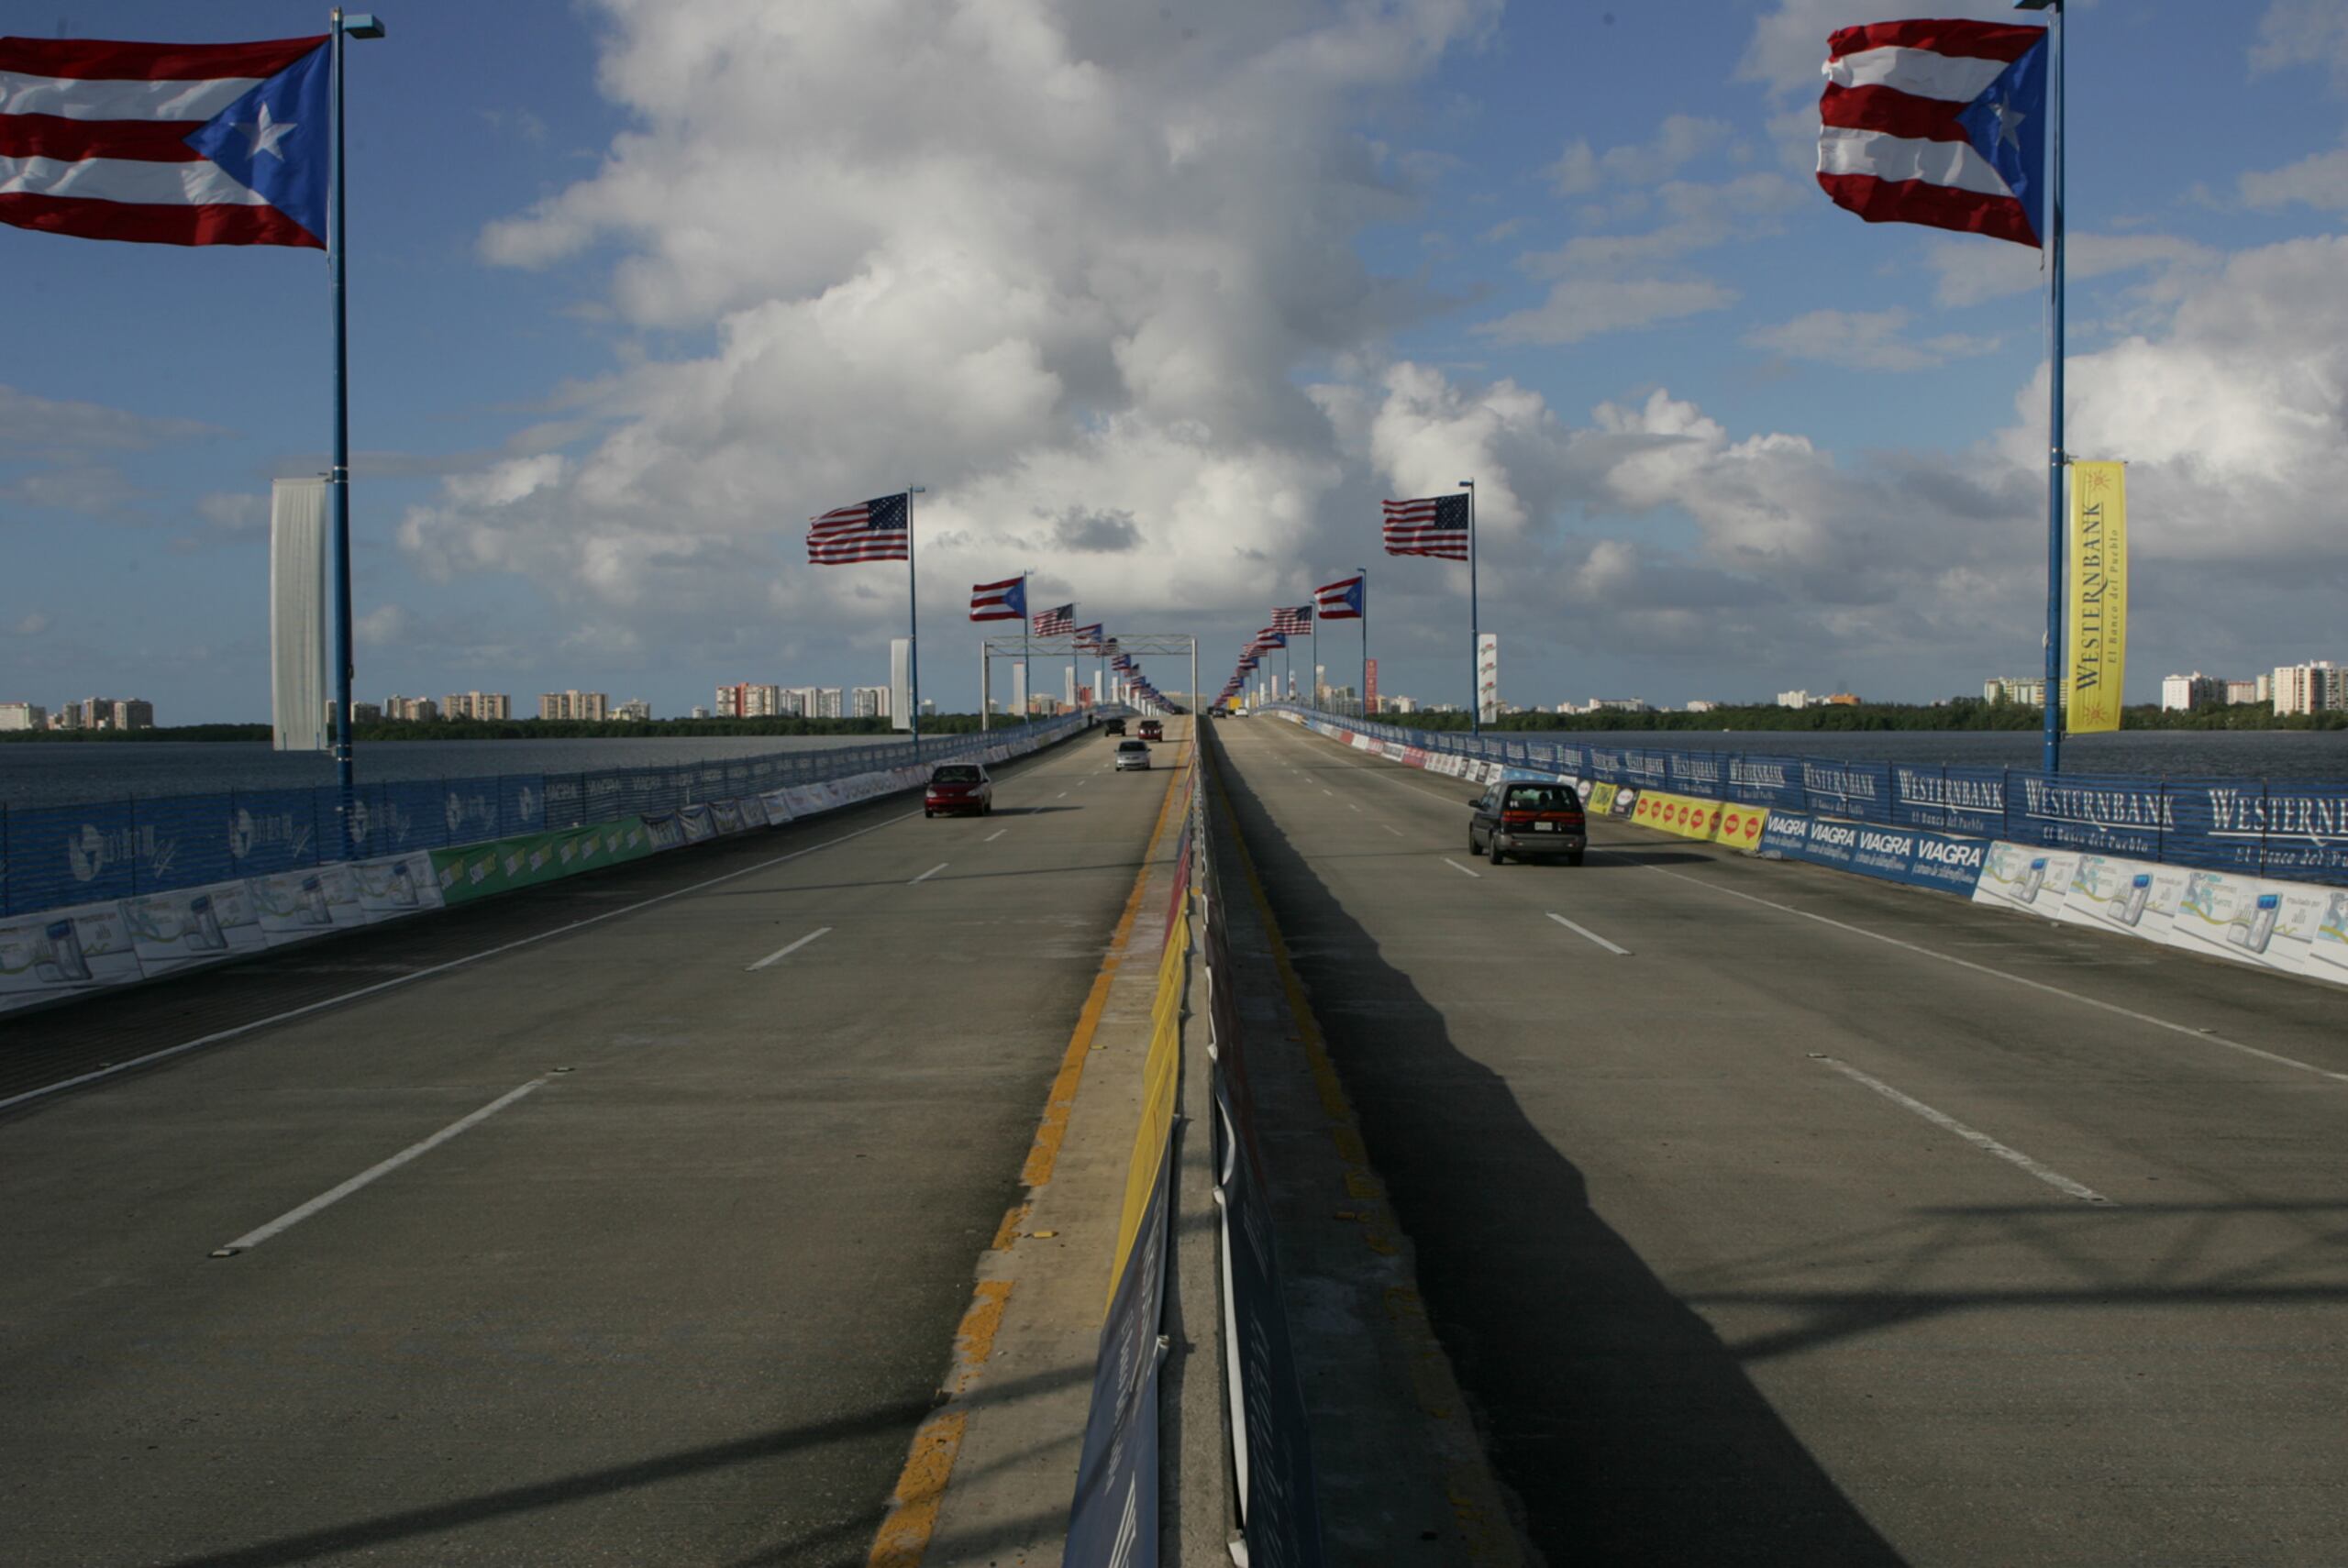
1160 306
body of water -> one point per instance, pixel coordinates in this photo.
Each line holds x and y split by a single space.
39 773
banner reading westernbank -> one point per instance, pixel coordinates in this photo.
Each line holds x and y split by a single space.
2099 632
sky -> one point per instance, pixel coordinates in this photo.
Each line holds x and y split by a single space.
1158 301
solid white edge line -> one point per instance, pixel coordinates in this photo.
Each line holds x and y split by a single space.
787 952
1461 869
931 872
992 836
1389 827
1585 931
1981 1141
303 1011
292 1217
2188 1031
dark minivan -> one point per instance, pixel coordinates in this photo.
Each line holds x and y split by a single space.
1533 820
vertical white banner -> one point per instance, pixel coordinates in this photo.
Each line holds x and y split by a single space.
1488 677
901 695
1019 688
297 614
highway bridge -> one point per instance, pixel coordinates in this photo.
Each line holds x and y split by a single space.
754 1204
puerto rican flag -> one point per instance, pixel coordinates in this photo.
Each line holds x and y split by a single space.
1938 122
1004 601
168 144
1342 600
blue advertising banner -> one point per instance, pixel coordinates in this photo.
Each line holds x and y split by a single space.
1954 799
1916 856
1113 1517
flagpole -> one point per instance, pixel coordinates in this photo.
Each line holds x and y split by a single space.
1475 638
912 620
2056 519
338 473
1364 643
1026 659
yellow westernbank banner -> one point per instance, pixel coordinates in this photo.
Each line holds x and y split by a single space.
2098 637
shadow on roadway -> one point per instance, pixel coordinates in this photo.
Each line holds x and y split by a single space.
1626 1428
408 1525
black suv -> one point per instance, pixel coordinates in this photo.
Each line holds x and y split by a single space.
1115 727
1530 819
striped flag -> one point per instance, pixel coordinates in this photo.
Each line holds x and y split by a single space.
1087 638
1004 601
1295 621
1058 622
167 144
872 530
1435 526
1940 123
1342 600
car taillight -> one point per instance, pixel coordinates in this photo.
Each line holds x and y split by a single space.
1517 818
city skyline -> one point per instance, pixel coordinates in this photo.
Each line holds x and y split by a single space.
1716 423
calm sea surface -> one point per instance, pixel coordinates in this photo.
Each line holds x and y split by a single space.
65 772
38 774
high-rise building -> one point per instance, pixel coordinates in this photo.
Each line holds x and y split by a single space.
2312 688
749 699
2029 691
829 703
799 700
2184 693
23 716
872 703
574 704
2242 692
477 705
1802 699
635 711
407 710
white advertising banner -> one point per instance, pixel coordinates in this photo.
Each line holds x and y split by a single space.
2028 878
297 622
901 683
2140 896
1488 677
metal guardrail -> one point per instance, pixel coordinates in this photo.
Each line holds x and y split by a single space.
2291 829
54 856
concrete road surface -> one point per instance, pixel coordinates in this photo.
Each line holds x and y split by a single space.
1759 1238
680 1294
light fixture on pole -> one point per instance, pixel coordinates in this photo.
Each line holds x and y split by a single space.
352 25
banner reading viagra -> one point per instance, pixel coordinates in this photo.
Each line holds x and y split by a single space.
2099 630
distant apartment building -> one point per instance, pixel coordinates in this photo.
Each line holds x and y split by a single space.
2316 688
870 702
477 705
1397 703
2030 692
596 705
831 703
700 711
1793 700
2239 692
635 711
409 710
361 713
1703 705
108 713
1619 704
2185 693
750 700
23 716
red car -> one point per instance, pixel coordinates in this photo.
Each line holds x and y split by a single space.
959 787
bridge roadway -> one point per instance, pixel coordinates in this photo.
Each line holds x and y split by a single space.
1830 1223
684 1302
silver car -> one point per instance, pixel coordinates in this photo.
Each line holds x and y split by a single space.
1133 756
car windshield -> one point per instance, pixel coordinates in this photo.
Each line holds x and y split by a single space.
954 776
1542 797
1131 745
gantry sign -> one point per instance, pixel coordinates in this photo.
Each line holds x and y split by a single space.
1136 644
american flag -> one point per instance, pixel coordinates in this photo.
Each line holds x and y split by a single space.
1342 600
1087 638
1004 601
1434 526
872 530
1057 622
1294 621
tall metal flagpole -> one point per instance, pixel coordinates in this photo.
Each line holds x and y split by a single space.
339 475
912 621
1026 657
1364 643
1475 635
2055 518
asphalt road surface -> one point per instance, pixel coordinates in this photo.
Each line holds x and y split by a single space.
682 1291
1757 1238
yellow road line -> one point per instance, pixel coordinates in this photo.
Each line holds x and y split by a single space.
904 1534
